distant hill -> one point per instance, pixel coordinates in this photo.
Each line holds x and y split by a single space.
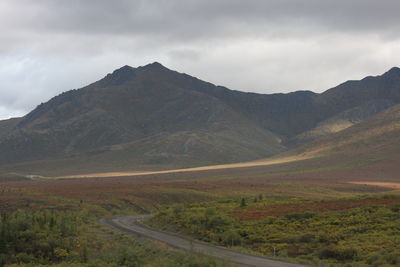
153 117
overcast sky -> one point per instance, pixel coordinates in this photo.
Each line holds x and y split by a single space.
265 46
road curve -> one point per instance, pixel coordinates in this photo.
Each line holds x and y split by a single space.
131 225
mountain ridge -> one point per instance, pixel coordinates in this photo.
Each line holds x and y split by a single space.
174 118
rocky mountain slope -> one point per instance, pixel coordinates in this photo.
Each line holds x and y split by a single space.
153 116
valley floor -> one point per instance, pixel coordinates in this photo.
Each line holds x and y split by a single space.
291 191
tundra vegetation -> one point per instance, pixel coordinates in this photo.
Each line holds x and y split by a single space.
291 215
68 234
362 231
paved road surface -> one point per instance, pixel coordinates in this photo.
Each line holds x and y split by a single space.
131 225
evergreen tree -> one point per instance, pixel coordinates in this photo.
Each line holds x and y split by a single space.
243 202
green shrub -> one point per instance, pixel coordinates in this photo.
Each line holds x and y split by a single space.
341 254
299 216
395 208
231 238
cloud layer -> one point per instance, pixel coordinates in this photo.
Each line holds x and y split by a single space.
266 46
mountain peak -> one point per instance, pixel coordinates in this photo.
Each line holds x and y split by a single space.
124 69
119 76
127 73
155 66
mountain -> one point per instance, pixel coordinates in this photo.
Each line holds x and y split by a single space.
148 115
153 117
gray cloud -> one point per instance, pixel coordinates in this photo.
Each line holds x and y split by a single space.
49 46
194 18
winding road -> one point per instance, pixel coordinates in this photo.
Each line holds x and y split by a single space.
131 225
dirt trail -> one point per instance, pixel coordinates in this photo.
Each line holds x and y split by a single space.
204 168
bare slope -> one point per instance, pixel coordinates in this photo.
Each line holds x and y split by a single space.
378 136
340 121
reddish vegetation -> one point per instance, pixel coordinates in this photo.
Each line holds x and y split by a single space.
315 207
193 186
280 179
153 190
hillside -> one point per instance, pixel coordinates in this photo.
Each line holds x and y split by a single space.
376 137
340 121
151 117
372 144
6 126
137 117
